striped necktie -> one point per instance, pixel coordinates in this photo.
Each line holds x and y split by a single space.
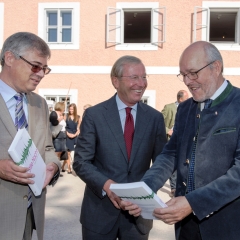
191 181
21 122
20 118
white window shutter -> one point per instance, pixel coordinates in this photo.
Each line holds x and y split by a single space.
158 25
114 16
237 28
204 13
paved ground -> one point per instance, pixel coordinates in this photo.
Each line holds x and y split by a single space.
63 211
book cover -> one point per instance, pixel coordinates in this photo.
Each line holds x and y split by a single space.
24 153
139 193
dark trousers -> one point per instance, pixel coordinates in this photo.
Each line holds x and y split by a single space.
29 225
124 229
173 180
190 229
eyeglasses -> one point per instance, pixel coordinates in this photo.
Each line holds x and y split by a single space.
135 77
191 75
36 68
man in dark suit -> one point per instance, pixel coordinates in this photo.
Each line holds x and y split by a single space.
205 150
169 112
103 156
24 63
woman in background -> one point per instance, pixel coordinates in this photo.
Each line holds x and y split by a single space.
59 141
72 131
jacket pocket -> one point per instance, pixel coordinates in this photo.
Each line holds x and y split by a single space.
224 130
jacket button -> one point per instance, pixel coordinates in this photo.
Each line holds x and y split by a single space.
25 197
198 115
187 161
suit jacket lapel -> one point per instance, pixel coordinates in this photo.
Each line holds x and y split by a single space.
113 120
6 118
142 120
32 114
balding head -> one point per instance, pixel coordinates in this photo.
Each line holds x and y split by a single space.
182 96
201 67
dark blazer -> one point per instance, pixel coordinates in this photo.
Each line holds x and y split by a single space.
101 154
215 200
13 196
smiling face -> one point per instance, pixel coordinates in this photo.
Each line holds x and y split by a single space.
19 76
209 79
130 91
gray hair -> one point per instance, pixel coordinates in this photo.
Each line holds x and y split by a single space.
213 54
20 42
117 68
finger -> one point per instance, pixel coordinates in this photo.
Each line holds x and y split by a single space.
115 204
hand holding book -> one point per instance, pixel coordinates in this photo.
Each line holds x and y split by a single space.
143 199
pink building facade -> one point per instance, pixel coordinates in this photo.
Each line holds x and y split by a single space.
86 37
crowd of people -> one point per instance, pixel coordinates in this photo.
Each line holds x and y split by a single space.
116 141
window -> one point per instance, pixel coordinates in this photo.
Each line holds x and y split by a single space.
52 100
1 23
144 100
59 24
220 24
149 97
53 96
136 26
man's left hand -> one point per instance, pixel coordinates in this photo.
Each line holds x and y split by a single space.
51 170
178 208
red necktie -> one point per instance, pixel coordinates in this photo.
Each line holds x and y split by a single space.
129 131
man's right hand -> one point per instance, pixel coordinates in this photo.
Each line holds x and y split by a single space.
11 172
133 209
112 196
170 132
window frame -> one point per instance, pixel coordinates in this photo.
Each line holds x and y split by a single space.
119 11
72 94
74 7
208 5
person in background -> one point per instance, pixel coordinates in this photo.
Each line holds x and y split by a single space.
117 141
72 130
169 112
24 58
59 141
86 106
205 150
50 109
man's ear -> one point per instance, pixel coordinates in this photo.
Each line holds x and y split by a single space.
9 58
218 67
115 82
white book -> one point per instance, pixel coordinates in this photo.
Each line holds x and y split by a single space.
139 193
24 153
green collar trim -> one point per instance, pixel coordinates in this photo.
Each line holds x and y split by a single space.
223 95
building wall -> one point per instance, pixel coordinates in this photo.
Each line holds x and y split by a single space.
86 69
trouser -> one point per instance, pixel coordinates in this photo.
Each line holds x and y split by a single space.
29 225
190 228
124 229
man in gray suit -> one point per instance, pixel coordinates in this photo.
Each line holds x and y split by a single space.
205 150
103 156
24 63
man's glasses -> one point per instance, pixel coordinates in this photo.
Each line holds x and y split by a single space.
135 77
36 68
191 75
